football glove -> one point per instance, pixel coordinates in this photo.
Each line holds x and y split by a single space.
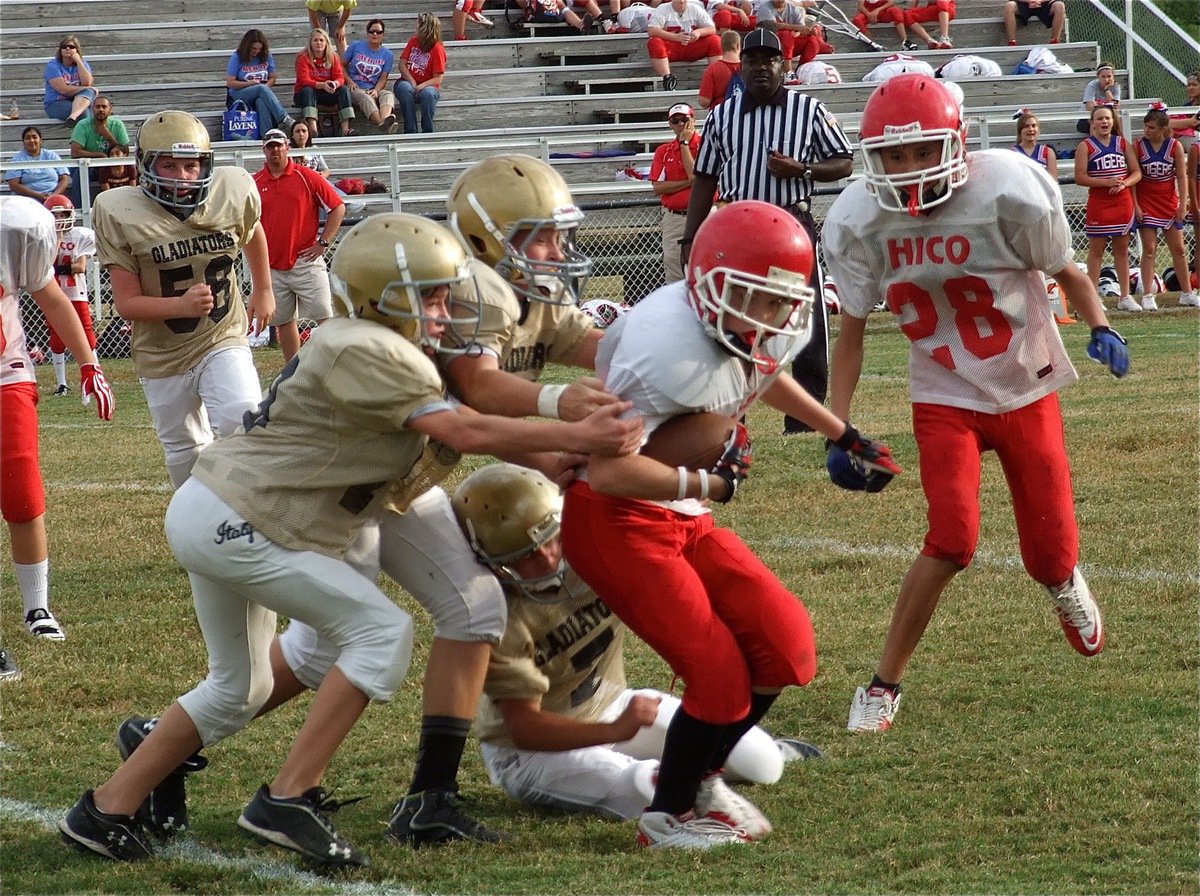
92 384
1109 348
859 464
734 465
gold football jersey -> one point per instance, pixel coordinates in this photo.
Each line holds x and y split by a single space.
525 336
567 653
308 468
136 234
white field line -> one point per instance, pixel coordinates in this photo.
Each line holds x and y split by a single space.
156 488
1178 577
189 850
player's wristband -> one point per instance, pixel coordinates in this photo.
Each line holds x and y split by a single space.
683 483
63 268
703 484
547 401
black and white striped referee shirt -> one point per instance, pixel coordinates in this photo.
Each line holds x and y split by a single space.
739 133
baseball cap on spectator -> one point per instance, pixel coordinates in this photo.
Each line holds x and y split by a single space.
762 39
680 109
274 136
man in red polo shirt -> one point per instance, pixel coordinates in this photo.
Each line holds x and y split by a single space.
671 174
293 198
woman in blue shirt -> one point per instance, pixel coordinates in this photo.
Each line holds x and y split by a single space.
250 76
37 183
69 88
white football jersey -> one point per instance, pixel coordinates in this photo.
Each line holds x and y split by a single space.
817 72
26 263
77 242
965 280
898 64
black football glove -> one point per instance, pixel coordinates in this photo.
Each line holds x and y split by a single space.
859 464
734 465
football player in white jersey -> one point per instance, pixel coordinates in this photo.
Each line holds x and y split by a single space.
28 243
517 217
700 597
269 523
76 246
170 245
558 724
956 245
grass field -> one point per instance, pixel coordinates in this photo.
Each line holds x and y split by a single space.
1016 766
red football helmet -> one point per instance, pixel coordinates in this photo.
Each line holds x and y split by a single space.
742 252
63 210
908 109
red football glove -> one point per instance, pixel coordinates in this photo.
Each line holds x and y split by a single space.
734 465
92 384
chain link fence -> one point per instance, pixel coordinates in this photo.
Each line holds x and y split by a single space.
621 236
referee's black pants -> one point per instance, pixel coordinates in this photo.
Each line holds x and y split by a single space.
810 368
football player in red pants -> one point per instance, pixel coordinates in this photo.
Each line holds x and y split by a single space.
700 597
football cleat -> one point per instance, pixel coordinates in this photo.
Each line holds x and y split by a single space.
873 709
9 670
1079 614
794 750
661 830
118 837
302 825
433 817
718 801
42 624
164 811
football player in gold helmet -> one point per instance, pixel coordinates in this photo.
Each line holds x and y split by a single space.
271 521
170 245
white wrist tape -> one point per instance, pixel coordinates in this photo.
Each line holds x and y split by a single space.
703 484
683 483
547 402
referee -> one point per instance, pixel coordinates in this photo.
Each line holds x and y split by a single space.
770 143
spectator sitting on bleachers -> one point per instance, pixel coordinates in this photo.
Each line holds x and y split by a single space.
1051 13
714 83
250 76
1101 89
69 84
736 14
37 183
110 177
1184 126
872 11
422 67
802 40
368 66
551 11
331 16
680 31
96 137
470 10
940 11
321 83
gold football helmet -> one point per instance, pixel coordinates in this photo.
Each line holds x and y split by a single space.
498 204
181 136
508 512
385 266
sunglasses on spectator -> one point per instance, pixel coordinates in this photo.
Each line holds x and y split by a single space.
374 31
68 47
679 120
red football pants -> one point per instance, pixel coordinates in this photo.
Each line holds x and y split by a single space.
696 594
1030 445
22 494
84 311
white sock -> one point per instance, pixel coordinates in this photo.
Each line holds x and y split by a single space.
60 367
34 581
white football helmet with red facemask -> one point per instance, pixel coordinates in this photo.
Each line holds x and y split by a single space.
741 252
912 109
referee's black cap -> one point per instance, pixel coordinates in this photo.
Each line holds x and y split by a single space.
762 39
